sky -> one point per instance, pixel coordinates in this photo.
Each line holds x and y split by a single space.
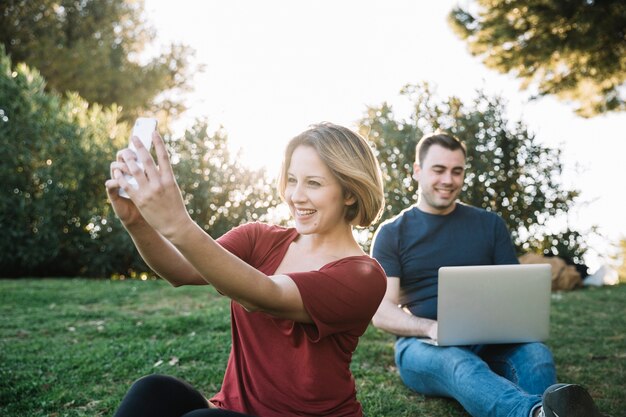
274 67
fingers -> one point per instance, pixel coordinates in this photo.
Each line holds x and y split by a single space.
142 154
144 157
115 183
142 167
124 167
111 186
119 181
121 166
125 155
162 156
120 163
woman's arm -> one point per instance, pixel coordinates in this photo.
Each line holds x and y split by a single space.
277 295
160 255
159 201
163 258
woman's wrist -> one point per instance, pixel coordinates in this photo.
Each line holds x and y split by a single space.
181 232
137 225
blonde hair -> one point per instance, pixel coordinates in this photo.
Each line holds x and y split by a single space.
351 160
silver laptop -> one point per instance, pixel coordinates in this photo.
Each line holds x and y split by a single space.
493 304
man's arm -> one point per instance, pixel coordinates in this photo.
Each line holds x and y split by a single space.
391 318
503 249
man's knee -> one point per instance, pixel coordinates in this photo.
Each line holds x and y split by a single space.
443 361
537 353
432 370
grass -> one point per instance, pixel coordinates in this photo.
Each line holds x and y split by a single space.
72 347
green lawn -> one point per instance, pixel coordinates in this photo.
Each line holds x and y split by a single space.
71 347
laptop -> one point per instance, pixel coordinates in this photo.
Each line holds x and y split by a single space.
491 304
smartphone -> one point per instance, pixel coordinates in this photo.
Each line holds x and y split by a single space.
143 128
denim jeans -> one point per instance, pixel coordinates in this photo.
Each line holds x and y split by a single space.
488 380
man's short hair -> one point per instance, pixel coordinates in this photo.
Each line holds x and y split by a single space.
441 138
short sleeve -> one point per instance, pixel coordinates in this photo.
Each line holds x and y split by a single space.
504 251
385 250
343 296
240 240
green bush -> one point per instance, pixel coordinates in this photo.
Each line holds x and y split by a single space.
56 154
219 192
54 212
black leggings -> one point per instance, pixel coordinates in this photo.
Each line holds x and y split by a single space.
166 396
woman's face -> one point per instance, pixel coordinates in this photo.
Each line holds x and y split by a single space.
313 194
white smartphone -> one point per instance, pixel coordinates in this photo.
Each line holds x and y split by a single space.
144 126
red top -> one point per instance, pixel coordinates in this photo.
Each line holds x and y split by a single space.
279 367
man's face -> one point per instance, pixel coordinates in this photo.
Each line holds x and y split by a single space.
440 179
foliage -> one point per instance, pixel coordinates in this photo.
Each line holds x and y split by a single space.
508 172
574 50
218 191
56 161
95 48
569 244
105 334
53 206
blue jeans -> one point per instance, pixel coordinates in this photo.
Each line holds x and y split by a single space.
488 380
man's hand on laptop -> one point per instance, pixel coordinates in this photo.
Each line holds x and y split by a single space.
425 328
432 330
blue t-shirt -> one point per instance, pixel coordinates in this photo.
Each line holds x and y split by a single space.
414 245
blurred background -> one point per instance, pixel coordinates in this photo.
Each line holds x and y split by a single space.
535 88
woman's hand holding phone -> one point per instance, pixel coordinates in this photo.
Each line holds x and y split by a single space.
143 129
124 208
157 196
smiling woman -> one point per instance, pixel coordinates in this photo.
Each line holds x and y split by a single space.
350 162
301 296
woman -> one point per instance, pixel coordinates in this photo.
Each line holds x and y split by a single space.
301 297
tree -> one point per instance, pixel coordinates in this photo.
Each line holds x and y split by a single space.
508 172
94 47
218 191
56 154
575 50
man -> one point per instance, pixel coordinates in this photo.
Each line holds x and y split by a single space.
488 380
